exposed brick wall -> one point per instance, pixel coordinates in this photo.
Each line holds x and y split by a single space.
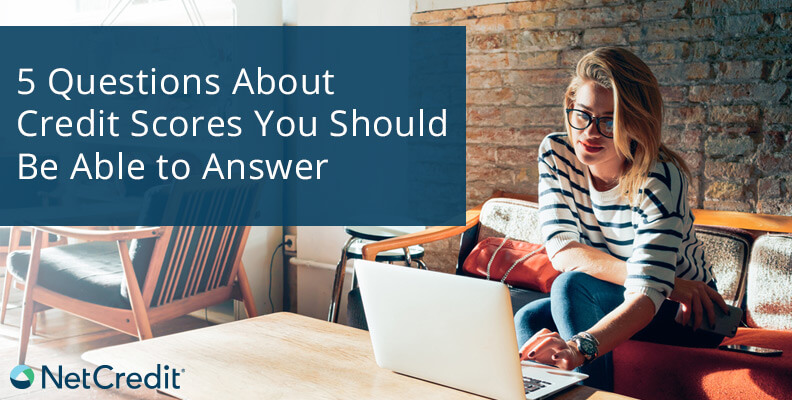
725 68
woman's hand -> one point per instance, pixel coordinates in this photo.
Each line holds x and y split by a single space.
696 298
547 347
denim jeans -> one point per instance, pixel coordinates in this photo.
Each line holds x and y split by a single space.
578 301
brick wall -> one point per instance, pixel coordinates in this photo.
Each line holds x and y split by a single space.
725 68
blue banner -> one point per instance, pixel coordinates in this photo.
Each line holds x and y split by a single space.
232 126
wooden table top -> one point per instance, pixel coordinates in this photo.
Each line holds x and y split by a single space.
280 356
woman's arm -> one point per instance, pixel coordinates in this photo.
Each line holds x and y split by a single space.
558 220
623 322
576 256
615 328
695 297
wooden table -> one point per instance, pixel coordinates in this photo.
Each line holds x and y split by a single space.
280 356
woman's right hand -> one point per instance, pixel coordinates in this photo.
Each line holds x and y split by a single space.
696 298
547 347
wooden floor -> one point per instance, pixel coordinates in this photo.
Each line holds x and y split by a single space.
61 339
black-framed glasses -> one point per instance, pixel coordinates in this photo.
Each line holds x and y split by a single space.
580 120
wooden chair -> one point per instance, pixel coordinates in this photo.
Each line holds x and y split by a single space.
12 241
130 279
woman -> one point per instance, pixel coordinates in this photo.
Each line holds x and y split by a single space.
617 224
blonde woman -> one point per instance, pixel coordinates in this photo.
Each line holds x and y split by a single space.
616 222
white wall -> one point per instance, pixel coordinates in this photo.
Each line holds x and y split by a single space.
256 258
366 12
350 12
320 243
88 13
318 252
259 12
428 5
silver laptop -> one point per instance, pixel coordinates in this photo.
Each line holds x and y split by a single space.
452 330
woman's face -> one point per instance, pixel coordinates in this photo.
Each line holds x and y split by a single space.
591 148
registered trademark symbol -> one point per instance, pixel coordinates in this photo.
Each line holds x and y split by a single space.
182 369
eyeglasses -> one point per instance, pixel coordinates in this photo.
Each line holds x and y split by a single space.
581 120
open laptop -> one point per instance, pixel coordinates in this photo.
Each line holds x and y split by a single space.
452 330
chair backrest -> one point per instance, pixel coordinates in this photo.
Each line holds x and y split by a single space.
500 217
769 299
727 250
194 260
193 257
518 219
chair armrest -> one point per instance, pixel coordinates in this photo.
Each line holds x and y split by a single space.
428 235
436 233
87 234
743 220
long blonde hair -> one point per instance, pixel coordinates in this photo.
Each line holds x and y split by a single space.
637 112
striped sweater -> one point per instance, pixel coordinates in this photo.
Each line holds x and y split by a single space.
656 239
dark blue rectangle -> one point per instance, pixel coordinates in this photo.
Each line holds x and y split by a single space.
161 99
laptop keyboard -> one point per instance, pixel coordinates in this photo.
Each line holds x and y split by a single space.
532 385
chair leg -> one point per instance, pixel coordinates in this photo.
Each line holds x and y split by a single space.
139 312
28 305
35 322
247 293
143 325
338 283
25 328
6 292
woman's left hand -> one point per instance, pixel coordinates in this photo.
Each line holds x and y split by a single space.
547 347
696 298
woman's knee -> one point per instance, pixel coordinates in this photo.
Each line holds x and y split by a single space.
570 284
532 311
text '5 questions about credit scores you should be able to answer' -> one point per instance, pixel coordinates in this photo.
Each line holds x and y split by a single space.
69 86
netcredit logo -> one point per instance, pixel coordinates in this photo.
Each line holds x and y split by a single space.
22 377
164 377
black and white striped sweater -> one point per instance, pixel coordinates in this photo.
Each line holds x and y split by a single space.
656 238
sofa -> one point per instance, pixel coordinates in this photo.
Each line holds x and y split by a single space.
753 270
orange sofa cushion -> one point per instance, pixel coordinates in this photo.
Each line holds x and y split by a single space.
655 371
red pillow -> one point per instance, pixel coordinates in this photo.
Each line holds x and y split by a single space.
526 264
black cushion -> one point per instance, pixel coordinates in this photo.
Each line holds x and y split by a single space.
154 203
521 297
140 250
356 316
89 272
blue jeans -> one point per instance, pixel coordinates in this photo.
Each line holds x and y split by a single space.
578 301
